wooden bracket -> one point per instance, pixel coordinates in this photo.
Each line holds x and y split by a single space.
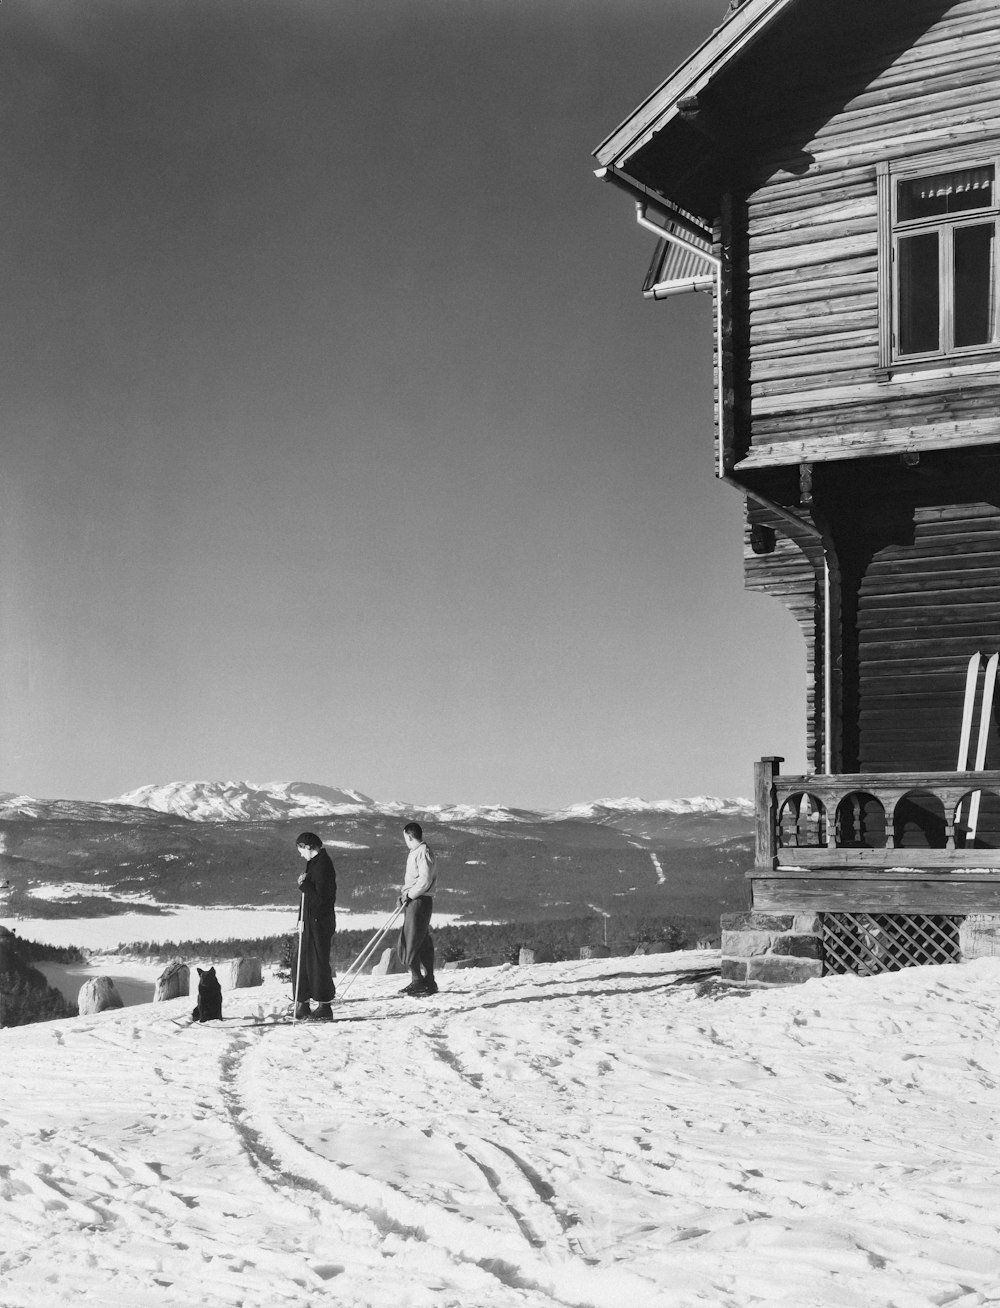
806 484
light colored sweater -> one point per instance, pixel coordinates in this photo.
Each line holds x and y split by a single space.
421 877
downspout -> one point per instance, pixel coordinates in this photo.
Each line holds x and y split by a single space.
801 524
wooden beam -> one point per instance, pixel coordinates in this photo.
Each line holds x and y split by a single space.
822 862
960 895
872 444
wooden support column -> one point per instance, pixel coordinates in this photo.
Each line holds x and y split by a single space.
765 811
730 246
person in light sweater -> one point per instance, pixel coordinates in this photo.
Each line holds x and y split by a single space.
415 947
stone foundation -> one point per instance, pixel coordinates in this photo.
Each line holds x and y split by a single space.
771 949
979 936
777 949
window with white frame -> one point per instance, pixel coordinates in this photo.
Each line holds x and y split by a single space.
939 261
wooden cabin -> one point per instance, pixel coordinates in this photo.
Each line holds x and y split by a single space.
830 174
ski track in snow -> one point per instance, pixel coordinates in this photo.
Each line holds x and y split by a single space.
590 1135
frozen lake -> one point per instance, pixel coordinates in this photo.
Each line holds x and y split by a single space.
135 982
114 934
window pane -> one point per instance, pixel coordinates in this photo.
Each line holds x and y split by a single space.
955 192
919 295
974 297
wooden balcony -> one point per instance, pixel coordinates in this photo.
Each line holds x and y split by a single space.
907 842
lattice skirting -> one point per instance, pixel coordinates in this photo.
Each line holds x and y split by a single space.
867 943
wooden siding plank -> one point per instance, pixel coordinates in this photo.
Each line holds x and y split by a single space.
858 268
813 232
827 250
907 864
906 603
959 895
770 222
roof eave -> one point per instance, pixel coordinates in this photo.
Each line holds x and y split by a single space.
738 31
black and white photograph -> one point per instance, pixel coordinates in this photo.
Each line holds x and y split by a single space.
499 639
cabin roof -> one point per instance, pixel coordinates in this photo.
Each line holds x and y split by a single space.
742 26
758 90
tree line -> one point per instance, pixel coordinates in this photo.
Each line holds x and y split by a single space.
559 939
25 995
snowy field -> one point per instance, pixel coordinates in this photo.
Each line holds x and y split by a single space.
592 1133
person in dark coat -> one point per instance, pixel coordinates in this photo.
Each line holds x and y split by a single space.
318 884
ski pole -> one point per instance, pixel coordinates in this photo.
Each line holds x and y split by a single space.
368 949
298 956
355 968
372 945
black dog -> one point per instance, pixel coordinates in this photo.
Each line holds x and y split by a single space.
209 1007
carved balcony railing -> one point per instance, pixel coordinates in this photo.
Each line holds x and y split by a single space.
853 821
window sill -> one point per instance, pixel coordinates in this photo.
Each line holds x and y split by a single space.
942 368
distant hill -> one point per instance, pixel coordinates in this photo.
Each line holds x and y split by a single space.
227 801
222 801
225 843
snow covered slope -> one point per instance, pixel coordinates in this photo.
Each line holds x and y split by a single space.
700 804
217 801
594 1133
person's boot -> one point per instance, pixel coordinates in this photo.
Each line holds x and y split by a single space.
321 1013
416 982
302 1011
428 986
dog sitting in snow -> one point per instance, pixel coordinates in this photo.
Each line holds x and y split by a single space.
209 1006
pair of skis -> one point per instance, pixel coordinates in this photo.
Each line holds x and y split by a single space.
349 977
985 717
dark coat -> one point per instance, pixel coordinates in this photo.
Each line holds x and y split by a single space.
319 895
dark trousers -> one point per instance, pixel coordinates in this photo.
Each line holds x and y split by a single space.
315 979
415 947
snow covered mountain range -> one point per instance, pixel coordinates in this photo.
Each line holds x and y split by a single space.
275 801
243 801
228 843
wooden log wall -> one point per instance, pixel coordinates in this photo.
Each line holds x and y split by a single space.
812 290
923 608
813 388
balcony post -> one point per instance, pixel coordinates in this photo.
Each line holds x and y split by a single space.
766 812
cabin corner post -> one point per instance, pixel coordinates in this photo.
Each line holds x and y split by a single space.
730 333
765 773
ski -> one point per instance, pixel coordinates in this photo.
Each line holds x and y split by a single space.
985 717
241 1023
968 708
971 682
264 1022
230 1022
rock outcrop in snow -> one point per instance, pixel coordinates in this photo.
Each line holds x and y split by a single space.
98 995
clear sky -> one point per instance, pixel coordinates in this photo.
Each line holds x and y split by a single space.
338 443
